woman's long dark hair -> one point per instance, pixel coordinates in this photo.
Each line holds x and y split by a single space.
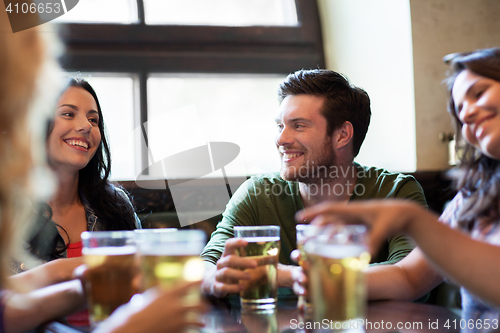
477 176
108 204
111 206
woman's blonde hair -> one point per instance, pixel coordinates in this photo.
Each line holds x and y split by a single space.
22 58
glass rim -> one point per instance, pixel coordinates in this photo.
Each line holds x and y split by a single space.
259 227
155 230
165 237
301 226
352 226
107 234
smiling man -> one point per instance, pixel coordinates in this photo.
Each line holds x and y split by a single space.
322 122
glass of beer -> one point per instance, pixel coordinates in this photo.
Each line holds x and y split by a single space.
338 255
168 256
305 232
261 291
110 260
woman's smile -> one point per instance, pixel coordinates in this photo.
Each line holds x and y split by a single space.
76 126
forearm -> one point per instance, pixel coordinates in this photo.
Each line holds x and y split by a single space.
208 282
50 273
407 280
456 255
25 312
285 278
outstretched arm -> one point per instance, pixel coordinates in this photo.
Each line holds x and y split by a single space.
47 274
24 312
454 254
406 280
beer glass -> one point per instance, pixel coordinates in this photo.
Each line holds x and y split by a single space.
109 257
305 232
168 256
261 291
338 255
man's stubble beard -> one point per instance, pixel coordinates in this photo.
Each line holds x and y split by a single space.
313 170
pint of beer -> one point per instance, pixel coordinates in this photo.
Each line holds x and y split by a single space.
110 260
169 256
336 279
261 291
305 232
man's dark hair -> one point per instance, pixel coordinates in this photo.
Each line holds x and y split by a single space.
343 101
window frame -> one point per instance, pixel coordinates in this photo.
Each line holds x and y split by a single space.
196 49
141 50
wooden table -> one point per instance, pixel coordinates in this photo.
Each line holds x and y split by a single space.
381 317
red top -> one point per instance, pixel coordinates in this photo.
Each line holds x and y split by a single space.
81 318
74 250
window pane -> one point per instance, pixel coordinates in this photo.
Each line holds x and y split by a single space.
116 97
221 12
101 11
187 111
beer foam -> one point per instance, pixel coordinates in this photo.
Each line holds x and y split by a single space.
335 251
263 239
109 250
169 250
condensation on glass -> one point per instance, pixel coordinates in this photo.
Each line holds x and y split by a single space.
102 11
221 12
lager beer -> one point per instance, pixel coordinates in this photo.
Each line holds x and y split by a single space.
262 289
164 269
171 256
337 281
305 232
109 275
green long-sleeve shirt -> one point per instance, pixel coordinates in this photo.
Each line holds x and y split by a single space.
269 200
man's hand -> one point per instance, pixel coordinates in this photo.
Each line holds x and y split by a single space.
299 276
223 278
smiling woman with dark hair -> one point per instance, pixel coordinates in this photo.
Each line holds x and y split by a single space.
85 200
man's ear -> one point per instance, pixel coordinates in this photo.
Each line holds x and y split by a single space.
344 135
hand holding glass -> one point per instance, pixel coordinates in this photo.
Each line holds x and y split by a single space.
261 291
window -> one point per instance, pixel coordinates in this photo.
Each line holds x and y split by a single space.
185 83
221 12
215 108
99 11
116 97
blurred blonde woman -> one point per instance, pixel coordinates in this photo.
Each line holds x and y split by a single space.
24 59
